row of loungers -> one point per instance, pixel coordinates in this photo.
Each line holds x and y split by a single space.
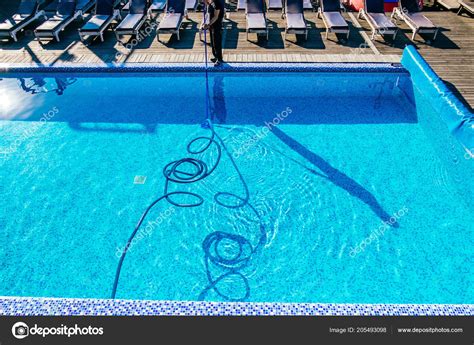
418 23
107 11
408 11
461 6
138 11
59 14
330 12
274 5
293 11
31 10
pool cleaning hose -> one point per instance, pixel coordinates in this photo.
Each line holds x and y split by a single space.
173 173
176 172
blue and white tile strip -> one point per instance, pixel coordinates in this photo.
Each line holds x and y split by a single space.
29 306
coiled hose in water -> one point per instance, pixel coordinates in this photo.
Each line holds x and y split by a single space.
176 172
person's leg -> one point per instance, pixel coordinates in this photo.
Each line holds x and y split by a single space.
211 33
218 42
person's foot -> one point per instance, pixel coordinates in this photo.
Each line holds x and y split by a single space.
214 60
217 63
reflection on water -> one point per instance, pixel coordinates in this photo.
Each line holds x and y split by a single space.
219 110
42 85
17 105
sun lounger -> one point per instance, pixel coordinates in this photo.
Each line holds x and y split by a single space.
27 12
255 17
373 12
81 5
105 13
191 5
410 13
172 18
275 5
160 5
65 14
126 5
134 20
295 21
450 5
307 5
84 6
51 7
466 6
241 5
157 6
330 11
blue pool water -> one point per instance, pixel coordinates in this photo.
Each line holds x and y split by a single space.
356 192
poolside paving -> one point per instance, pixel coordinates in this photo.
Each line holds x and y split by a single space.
451 55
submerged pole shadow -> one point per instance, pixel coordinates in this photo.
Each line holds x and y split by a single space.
335 176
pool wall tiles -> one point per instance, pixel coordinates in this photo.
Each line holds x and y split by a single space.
29 306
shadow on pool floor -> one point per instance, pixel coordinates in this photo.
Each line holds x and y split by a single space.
335 176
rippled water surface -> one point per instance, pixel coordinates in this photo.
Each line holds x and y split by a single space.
326 188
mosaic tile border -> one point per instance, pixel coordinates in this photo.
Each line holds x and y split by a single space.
193 67
30 306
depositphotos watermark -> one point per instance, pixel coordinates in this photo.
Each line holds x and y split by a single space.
27 134
146 231
140 37
261 133
379 232
21 330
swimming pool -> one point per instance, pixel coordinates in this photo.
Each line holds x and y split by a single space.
328 187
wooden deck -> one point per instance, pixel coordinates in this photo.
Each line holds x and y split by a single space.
451 55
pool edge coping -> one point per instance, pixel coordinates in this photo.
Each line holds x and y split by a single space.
47 306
